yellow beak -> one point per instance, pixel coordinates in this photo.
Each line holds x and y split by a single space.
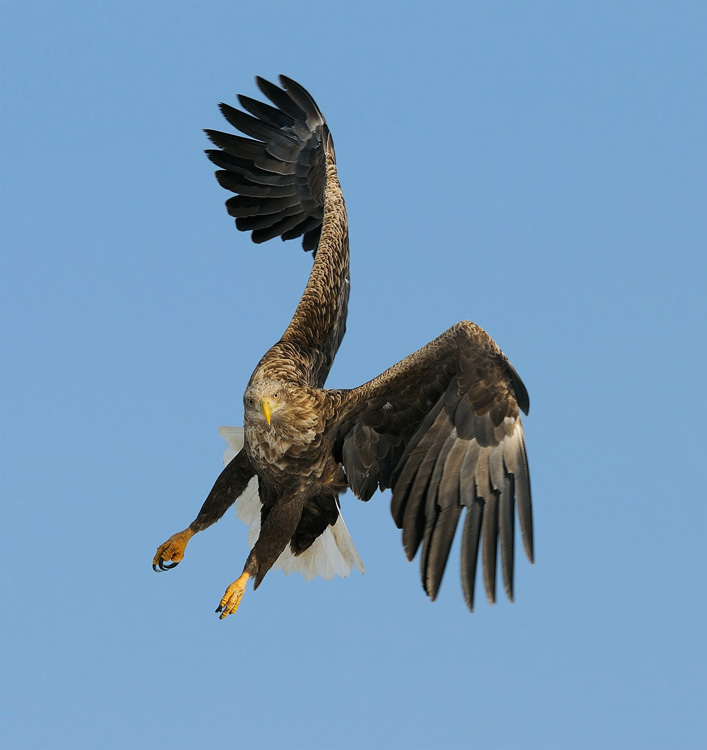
266 408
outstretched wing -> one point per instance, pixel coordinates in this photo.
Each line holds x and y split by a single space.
286 185
442 429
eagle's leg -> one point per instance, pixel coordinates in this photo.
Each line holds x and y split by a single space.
227 488
232 598
276 532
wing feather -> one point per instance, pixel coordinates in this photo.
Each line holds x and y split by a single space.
242 206
449 413
414 522
238 183
283 101
278 143
489 530
287 155
270 115
470 547
409 464
502 487
442 511
516 463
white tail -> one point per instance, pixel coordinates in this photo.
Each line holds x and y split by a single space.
331 554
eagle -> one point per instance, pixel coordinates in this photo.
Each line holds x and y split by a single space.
441 429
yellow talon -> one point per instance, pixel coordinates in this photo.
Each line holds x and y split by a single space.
171 551
232 598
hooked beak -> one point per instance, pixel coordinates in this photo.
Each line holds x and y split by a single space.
266 408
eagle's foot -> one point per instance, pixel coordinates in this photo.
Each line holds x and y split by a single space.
171 553
232 598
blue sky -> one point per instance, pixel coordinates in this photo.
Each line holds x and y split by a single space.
538 168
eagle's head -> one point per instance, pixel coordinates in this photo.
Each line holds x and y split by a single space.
265 400
281 416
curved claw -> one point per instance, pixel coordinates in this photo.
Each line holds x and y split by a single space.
171 553
232 598
162 565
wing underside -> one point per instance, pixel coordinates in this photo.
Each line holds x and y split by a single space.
442 429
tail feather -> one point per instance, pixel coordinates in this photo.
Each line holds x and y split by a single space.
331 554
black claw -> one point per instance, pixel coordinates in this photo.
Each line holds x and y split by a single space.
219 609
162 565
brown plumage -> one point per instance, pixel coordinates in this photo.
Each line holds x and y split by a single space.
441 428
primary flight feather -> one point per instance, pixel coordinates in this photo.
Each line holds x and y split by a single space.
441 428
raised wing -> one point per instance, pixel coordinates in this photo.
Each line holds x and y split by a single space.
442 429
286 185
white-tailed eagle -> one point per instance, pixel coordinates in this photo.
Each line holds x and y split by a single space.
441 428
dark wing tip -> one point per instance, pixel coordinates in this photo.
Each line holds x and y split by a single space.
298 91
519 389
282 156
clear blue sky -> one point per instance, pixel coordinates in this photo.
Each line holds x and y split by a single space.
538 168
